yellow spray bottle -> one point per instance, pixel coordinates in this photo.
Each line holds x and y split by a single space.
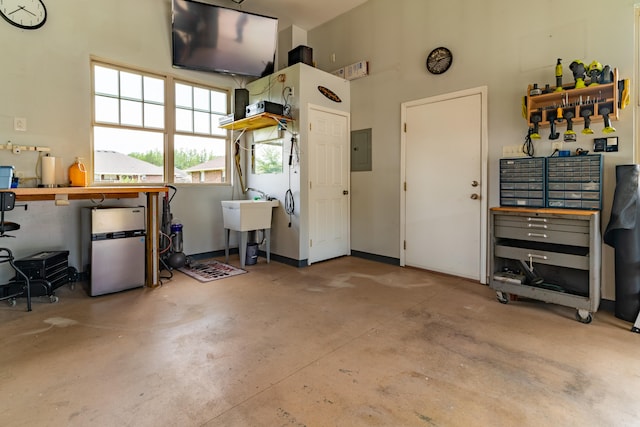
559 75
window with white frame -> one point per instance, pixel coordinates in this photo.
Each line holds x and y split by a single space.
146 124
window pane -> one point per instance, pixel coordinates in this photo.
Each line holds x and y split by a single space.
183 96
106 110
201 122
219 102
154 116
202 159
153 89
184 120
105 81
131 113
130 85
267 158
128 156
201 99
215 129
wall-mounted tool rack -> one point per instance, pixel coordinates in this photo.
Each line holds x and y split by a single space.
594 98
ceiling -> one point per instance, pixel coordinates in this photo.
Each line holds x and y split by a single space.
305 14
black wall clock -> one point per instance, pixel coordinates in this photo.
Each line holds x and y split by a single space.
439 60
25 14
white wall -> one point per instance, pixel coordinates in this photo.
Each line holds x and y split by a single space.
46 78
289 38
503 44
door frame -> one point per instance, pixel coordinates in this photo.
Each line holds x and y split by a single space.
484 149
347 166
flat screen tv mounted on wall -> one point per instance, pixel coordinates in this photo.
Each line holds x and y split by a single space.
207 37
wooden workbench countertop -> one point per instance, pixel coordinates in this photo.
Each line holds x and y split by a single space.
110 192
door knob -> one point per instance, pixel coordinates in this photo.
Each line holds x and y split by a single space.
345 192
474 196
474 183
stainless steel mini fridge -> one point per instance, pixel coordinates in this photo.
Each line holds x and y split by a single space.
116 248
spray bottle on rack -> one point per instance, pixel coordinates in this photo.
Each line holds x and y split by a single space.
78 174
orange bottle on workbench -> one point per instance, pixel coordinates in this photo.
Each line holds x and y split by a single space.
78 174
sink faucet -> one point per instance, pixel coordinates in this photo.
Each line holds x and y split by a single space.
263 195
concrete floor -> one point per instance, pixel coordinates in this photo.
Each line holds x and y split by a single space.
347 342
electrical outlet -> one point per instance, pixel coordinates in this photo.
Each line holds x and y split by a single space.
557 145
20 124
512 151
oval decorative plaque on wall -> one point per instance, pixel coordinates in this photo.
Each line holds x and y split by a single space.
329 94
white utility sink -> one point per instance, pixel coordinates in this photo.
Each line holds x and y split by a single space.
247 215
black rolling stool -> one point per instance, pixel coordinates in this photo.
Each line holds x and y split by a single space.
20 281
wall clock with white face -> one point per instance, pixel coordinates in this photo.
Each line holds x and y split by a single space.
25 14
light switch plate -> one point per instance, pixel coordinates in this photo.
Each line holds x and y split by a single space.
20 124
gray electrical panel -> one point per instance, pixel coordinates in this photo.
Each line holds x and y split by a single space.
361 150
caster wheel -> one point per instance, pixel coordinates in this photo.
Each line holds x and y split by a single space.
503 297
11 303
73 274
53 299
583 316
72 286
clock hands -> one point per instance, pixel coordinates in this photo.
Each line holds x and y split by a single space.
21 8
436 62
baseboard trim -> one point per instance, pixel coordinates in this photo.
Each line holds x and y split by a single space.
289 261
212 254
374 257
607 305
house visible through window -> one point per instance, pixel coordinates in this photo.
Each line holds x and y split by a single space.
145 125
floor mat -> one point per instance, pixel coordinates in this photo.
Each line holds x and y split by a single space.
207 271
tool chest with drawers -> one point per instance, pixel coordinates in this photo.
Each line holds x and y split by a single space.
552 255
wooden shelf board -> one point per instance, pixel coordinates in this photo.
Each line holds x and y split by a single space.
256 122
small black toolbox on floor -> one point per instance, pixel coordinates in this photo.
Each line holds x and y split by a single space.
51 266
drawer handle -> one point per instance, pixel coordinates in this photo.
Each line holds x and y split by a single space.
530 219
544 236
536 256
537 226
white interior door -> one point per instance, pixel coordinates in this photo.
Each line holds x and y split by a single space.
328 184
444 165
